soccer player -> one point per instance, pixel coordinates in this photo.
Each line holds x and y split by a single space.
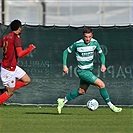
12 76
84 51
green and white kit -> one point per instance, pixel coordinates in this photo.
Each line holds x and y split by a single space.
85 57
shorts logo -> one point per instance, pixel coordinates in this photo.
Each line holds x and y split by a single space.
12 81
6 77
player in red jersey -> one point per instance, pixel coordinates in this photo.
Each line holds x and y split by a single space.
12 76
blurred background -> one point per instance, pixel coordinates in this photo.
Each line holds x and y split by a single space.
67 12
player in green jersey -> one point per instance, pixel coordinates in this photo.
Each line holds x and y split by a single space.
84 50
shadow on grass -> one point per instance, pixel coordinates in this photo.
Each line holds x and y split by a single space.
48 113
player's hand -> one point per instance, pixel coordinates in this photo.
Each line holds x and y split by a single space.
65 69
31 47
103 68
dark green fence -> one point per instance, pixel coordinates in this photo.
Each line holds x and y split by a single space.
44 65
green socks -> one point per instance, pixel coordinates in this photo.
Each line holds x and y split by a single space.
73 94
104 94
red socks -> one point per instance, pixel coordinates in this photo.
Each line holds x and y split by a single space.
19 84
4 97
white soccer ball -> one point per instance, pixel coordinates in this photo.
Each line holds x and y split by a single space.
92 104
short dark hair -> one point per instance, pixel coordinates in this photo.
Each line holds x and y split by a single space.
15 24
87 30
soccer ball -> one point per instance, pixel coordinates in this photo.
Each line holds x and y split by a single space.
92 104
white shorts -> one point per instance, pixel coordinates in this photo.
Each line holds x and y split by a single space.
9 77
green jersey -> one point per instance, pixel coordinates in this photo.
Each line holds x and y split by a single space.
85 53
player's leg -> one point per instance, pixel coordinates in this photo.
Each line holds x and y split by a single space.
74 93
23 78
8 80
100 84
83 75
61 101
4 97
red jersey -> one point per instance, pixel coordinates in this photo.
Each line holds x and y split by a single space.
9 44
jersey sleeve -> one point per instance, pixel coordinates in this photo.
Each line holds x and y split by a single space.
101 54
22 53
71 48
98 48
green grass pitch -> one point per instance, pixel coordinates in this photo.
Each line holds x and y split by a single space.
31 119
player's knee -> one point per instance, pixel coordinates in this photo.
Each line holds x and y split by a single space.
82 91
27 81
102 85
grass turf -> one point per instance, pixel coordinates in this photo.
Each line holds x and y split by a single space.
27 119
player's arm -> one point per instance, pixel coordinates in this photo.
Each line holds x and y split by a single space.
65 68
65 54
70 49
102 59
101 56
21 53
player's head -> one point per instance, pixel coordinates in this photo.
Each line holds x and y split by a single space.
16 26
88 34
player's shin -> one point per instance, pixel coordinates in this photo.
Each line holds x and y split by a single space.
4 97
104 95
19 84
72 95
